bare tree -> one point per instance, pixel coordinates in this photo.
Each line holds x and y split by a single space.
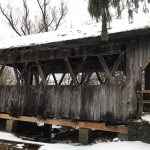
47 19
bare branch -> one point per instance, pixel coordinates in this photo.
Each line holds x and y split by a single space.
10 18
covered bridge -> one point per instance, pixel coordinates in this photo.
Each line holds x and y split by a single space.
78 53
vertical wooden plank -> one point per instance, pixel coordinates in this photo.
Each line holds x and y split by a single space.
41 72
16 73
24 69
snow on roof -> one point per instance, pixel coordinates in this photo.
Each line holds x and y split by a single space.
93 30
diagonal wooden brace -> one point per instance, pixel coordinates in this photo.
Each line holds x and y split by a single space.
104 65
16 73
2 69
79 67
71 72
41 72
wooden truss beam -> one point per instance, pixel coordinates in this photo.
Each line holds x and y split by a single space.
80 124
16 73
71 72
49 66
62 78
2 69
104 65
54 78
83 78
41 73
97 74
23 70
36 79
79 67
116 65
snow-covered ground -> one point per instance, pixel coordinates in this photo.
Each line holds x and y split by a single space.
99 145
146 117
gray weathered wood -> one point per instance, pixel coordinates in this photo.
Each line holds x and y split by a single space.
111 80
16 73
117 63
62 78
2 69
23 70
71 72
41 72
54 78
79 67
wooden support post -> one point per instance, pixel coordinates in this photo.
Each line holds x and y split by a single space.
47 131
16 73
2 69
79 67
71 72
23 70
49 66
104 65
123 137
99 78
97 74
85 136
11 126
54 78
62 78
117 63
88 78
83 78
41 72
36 79
29 77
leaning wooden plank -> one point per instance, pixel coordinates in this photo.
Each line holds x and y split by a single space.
54 78
49 66
62 78
97 74
104 65
117 63
79 67
145 65
41 72
61 122
23 70
16 73
71 72
2 69
143 91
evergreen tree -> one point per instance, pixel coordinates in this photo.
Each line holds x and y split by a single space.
100 9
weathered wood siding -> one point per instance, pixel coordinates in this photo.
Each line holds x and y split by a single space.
137 53
73 102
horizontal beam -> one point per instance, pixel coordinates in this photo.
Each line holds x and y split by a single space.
80 124
143 91
41 56
144 101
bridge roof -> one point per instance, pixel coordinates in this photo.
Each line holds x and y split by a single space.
119 29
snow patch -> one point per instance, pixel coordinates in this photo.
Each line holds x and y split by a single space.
146 117
20 146
101 145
